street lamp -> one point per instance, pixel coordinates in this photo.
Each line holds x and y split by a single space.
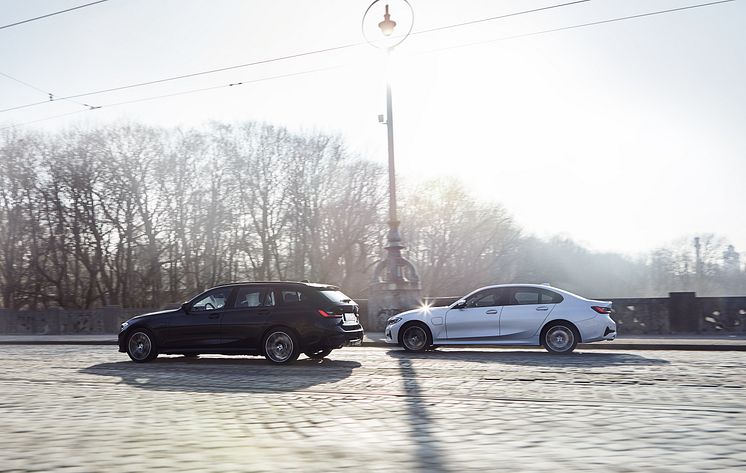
396 284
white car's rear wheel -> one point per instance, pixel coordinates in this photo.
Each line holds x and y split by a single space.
559 338
415 337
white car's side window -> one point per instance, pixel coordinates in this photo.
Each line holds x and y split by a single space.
526 296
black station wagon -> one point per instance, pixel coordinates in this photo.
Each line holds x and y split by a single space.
279 320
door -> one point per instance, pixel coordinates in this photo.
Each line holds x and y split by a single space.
525 313
478 320
243 325
200 327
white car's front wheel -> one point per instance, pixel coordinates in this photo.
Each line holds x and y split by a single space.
559 338
416 337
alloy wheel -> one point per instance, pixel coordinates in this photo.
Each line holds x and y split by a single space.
414 338
140 346
279 347
560 338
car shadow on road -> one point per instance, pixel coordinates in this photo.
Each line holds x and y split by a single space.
532 357
212 374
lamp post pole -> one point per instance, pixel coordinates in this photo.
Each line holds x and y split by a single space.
394 246
396 284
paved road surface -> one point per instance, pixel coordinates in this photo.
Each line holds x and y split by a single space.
87 408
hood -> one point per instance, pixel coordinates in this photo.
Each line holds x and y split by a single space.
423 313
150 314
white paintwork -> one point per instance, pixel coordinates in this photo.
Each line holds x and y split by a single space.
507 324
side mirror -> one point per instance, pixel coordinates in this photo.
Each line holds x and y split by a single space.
185 307
459 304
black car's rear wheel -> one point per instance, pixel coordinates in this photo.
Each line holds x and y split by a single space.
141 346
281 346
318 354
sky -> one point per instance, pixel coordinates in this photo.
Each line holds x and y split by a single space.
623 136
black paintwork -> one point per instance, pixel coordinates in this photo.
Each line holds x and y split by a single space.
240 330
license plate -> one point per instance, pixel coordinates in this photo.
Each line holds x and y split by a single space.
350 318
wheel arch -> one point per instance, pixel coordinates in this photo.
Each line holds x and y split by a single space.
409 323
142 328
284 327
550 323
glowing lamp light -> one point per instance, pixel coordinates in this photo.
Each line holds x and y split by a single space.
387 25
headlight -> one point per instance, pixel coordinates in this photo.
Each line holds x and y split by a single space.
392 321
124 326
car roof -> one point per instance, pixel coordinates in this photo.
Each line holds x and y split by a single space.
541 286
284 283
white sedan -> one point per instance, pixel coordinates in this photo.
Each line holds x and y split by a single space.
510 314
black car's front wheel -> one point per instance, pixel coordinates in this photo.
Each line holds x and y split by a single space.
141 346
318 354
281 346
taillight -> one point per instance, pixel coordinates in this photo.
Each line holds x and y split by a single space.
324 313
601 310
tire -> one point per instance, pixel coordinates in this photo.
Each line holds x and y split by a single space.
416 337
318 354
141 346
280 346
560 338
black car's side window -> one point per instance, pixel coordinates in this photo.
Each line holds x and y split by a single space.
249 297
292 297
213 300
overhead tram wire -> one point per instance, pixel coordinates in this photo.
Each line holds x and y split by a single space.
175 94
500 17
51 14
287 57
582 25
506 38
51 96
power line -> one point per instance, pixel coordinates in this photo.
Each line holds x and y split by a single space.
51 14
505 38
283 58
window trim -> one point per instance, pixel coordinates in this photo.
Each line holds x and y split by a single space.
260 287
228 303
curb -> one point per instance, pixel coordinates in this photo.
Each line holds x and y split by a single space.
600 346
381 344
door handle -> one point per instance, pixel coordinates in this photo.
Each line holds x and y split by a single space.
213 316
542 308
491 311
263 312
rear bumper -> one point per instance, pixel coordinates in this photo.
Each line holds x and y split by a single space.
598 329
340 338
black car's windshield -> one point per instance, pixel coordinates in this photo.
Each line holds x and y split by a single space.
337 297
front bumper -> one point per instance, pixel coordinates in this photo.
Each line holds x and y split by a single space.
121 341
392 334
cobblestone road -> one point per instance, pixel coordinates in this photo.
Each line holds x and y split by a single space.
76 408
